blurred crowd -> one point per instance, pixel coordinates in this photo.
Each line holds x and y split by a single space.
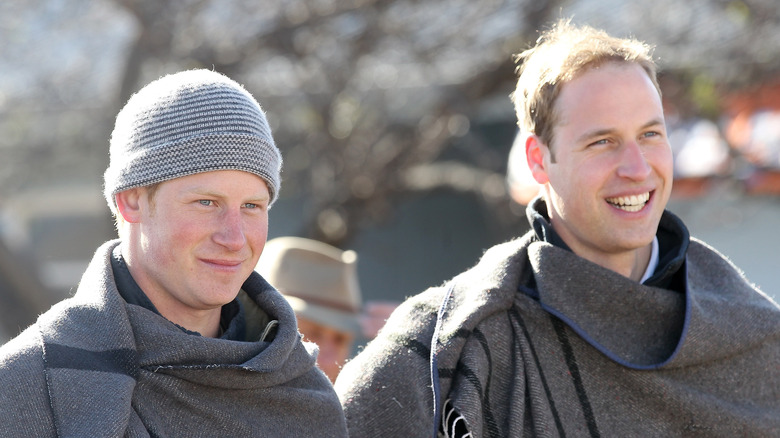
743 143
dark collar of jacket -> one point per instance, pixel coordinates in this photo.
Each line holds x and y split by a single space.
673 240
232 321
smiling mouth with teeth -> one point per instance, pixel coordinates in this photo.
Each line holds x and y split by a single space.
631 203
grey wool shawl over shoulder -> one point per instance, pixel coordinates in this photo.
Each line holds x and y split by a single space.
588 353
94 365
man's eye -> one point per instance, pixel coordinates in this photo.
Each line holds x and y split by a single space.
651 134
250 205
205 202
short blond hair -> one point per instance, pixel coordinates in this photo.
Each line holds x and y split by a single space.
560 54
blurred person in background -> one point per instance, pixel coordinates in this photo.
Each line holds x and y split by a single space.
522 186
171 332
607 318
321 284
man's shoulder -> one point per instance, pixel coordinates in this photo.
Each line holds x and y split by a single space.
488 286
705 258
24 393
699 248
22 354
710 270
498 269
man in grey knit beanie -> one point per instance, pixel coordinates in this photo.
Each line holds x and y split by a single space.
171 332
607 318
191 122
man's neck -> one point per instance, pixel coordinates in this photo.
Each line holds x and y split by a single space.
203 321
672 238
641 260
629 263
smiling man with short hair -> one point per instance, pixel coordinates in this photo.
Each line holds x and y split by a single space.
607 173
606 319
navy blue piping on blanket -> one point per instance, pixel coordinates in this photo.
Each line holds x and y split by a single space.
604 350
558 320
435 384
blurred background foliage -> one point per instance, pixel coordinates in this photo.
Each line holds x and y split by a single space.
374 104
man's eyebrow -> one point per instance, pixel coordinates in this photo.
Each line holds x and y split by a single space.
196 190
595 133
200 191
599 132
258 199
653 122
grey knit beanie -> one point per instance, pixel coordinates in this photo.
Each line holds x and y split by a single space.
190 122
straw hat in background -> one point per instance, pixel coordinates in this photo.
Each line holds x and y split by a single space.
318 280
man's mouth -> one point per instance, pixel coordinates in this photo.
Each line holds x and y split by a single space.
631 203
226 263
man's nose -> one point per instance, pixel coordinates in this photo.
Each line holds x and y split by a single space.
231 231
633 162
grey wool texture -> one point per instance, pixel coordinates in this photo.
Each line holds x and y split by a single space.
95 366
621 359
186 123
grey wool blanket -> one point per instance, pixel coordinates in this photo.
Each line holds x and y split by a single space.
94 366
588 352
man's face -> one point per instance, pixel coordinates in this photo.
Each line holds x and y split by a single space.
335 345
198 239
611 176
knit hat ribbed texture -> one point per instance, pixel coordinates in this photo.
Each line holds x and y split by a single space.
186 123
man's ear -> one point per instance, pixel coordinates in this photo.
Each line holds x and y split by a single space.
128 204
535 151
